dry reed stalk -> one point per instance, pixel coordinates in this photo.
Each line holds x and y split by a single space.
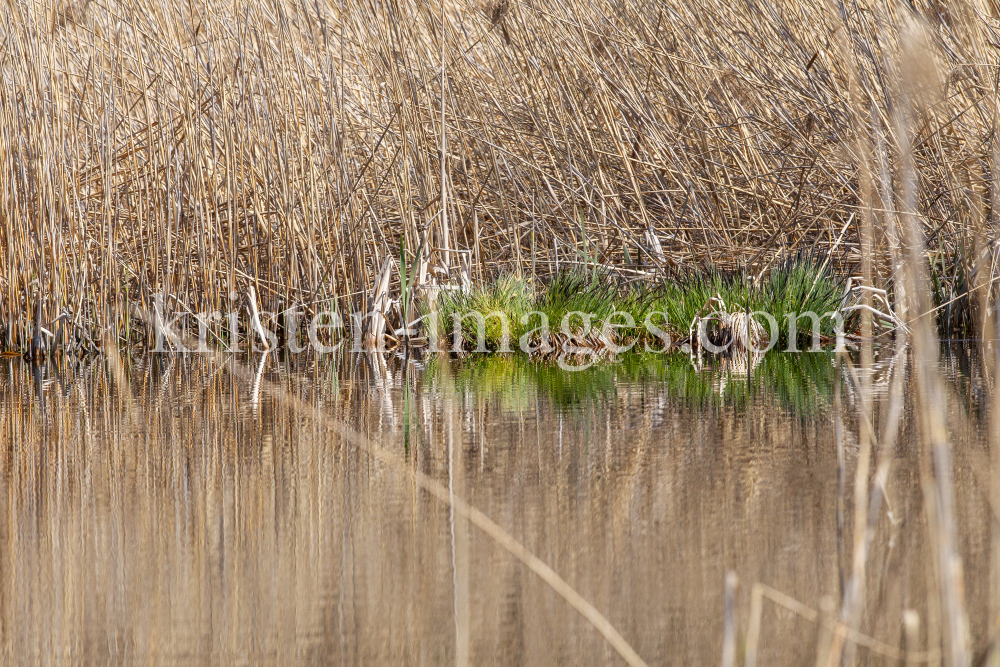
377 309
255 322
824 631
990 331
992 325
729 621
920 81
853 594
845 634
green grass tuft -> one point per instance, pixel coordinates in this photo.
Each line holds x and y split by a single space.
508 295
797 285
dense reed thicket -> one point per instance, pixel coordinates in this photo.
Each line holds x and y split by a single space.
199 149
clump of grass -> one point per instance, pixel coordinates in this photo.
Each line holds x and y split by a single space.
578 291
801 284
508 297
797 285
683 298
595 294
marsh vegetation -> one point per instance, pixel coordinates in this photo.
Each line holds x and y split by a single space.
686 162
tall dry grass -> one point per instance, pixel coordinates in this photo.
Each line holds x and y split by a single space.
198 149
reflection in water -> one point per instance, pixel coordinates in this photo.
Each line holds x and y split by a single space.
166 511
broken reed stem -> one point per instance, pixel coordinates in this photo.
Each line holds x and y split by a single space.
255 322
760 591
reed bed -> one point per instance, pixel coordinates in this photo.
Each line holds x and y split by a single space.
212 151
198 150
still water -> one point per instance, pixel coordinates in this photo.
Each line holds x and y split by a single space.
164 510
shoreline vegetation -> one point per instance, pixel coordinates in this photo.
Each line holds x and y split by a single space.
173 158
601 315
208 152
587 315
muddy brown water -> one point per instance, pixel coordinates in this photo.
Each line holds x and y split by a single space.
165 511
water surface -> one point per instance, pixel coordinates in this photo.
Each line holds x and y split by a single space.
166 511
